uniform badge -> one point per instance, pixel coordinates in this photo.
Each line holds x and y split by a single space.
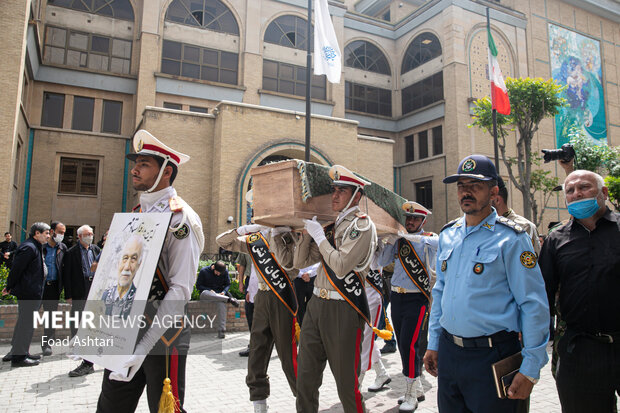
182 232
405 250
139 145
528 259
253 238
444 265
354 234
329 234
478 268
469 165
487 225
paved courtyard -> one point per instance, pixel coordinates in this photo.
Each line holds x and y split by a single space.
215 383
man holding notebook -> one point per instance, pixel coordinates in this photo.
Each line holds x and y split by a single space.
489 289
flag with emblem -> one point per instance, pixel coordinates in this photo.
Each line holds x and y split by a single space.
499 93
327 54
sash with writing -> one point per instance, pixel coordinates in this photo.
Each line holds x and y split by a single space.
351 287
375 280
412 264
271 272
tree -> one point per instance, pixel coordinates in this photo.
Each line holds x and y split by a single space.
531 101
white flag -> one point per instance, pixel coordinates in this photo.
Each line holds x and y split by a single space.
327 56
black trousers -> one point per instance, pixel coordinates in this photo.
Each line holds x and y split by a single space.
51 295
303 290
249 313
588 375
77 307
120 396
465 380
409 317
24 328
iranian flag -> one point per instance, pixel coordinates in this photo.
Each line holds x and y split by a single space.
499 93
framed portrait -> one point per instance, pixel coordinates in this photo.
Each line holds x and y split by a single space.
120 289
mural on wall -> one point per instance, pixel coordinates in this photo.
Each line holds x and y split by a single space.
576 64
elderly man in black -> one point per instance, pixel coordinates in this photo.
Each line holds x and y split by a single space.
582 259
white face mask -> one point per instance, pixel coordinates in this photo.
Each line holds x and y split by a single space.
58 238
87 240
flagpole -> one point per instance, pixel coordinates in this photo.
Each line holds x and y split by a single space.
308 80
494 113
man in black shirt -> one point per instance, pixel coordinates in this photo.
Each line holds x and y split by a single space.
582 259
213 283
7 248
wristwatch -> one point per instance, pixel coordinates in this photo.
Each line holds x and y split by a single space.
532 379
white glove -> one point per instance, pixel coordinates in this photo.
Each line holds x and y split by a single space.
411 237
315 229
280 230
133 364
250 229
390 239
74 357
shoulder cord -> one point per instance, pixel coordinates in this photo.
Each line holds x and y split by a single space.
373 243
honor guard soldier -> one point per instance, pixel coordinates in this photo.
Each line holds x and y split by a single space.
161 352
334 319
275 305
371 355
413 255
489 289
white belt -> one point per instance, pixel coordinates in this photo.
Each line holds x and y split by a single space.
402 290
327 294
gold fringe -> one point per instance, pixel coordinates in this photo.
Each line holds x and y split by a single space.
384 334
167 403
297 331
388 326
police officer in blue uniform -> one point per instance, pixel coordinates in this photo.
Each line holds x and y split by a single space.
489 289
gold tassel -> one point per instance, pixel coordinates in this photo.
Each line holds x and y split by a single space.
297 331
384 334
167 402
388 326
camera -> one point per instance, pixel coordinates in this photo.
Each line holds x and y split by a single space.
566 153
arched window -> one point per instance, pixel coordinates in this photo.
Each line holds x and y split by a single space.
206 14
117 9
424 48
289 31
363 55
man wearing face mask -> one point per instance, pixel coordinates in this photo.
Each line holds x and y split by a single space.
581 259
25 281
55 251
77 278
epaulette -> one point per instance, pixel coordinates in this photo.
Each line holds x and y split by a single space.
449 224
429 234
510 224
136 208
176 204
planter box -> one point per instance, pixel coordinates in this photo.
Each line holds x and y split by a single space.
277 193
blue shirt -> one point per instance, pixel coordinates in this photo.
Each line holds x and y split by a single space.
88 256
426 250
488 280
50 262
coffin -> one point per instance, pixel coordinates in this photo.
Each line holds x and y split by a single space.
287 192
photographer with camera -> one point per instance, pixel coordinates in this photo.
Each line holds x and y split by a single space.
565 157
581 259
